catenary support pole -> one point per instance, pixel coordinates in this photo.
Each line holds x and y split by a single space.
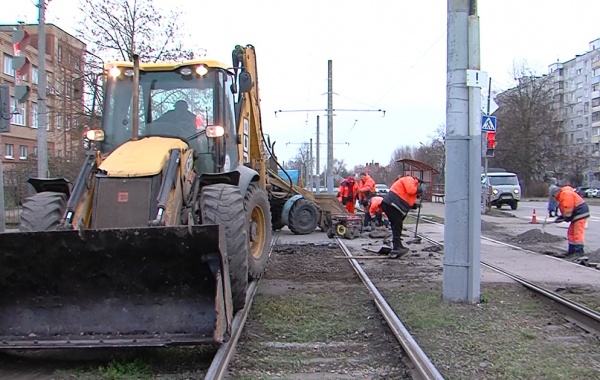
330 127
318 163
463 156
42 132
310 167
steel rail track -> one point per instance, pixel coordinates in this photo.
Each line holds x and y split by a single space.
424 368
582 316
220 364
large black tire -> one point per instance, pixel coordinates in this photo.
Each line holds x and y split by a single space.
258 216
43 211
221 204
303 217
514 205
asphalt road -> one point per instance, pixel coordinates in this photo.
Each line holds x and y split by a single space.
525 213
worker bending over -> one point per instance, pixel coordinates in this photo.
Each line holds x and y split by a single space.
574 210
396 204
373 212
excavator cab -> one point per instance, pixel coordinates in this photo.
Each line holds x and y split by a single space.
157 238
191 102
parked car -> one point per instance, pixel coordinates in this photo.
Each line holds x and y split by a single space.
581 191
381 189
505 189
592 193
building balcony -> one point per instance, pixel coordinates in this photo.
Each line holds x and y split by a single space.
596 64
595 140
596 153
596 124
595 94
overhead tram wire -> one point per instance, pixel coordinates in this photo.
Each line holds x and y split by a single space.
400 78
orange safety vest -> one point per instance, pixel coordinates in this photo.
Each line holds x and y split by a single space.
375 206
568 201
406 189
365 186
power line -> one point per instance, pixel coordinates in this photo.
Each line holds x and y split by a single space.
410 68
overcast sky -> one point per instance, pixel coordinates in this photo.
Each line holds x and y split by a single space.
387 54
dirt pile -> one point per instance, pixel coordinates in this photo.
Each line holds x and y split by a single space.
535 236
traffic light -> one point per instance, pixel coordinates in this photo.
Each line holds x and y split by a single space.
20 40
20 63
490 144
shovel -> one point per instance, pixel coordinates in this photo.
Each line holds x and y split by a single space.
544 225
382 250
418 217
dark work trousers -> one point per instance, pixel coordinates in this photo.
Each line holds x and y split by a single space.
396 220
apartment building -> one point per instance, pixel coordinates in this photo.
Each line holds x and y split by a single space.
64 63
577 100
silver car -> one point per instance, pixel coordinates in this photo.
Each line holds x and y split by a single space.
381 189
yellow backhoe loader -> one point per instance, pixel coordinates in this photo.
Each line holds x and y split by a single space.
155 241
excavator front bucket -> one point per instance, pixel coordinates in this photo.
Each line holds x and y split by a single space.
150 286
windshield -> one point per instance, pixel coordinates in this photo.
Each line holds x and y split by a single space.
381 187
504 180
170 104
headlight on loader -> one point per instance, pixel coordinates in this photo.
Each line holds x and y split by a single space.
95 135
214 131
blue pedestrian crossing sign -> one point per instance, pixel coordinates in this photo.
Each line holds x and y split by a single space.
488 123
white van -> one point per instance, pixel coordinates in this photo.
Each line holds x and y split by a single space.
505 189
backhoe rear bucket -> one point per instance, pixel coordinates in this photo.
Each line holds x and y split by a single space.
150 286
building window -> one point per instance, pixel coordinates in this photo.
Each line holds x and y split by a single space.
59 53
35 150
19 112
34 115
7 68
23 152
34 75
9 151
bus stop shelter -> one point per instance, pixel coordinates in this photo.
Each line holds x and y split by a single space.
425 173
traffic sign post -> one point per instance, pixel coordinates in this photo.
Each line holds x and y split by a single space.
488 133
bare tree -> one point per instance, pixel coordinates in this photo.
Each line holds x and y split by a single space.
117 29
433 153
400 153
528 139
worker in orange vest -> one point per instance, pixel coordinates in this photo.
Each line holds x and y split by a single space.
366 187
373 212
574 210
347 193
396 204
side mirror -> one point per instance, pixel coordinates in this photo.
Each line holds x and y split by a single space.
245 81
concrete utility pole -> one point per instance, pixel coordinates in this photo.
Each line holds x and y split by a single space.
310 167
318 172
42 133
463 155
330 127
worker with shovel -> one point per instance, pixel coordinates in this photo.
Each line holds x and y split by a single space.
396 204
574 210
